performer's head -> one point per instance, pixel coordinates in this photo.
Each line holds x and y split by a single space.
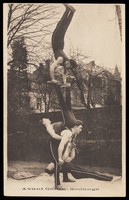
67 65
45 121
60 60
76 126
70 64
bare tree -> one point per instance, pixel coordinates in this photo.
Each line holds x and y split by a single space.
28 20
91 83
118 12
34 22
48 95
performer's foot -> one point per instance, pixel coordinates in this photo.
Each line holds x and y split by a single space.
59 187
116 178
54 82
65 85
72 77
50 168
70 7
49 171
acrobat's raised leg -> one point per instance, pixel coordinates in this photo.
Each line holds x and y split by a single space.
60 31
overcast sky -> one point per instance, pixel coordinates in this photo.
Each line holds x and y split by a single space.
94 29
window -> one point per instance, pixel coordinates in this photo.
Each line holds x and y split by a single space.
39 103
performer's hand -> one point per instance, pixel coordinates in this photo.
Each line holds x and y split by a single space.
60 161
68 160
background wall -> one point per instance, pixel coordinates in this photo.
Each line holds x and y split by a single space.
99 143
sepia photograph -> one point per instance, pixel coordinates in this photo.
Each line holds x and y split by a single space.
64 100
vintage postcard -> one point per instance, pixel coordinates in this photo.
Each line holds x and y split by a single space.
64 100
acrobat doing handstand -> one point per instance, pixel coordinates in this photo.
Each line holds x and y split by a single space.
61 60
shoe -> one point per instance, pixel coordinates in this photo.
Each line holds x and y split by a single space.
59 187
48 171
65 85
72 77
53 81
50 168
115 178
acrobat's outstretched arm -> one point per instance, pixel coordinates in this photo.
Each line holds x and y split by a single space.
50 130
69 153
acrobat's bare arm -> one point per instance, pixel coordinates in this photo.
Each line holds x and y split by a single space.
69 153
65 139
54 65
50 130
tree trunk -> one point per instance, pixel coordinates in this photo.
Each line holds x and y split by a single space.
118 11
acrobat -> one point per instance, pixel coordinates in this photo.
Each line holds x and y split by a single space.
58 46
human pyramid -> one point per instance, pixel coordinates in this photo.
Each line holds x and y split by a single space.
63 134
63 62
